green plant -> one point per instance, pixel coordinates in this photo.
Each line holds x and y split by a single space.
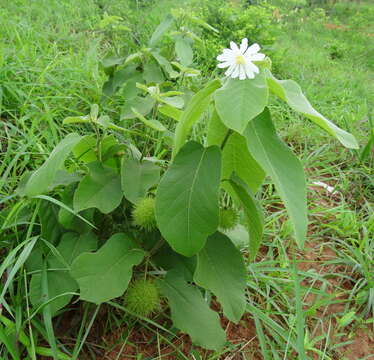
103 173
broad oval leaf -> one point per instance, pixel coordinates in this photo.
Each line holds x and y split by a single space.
290 91
105 275
100 188
195 108
42 179
60 288
221 269
191 313
239 101
284 168
187 198
237 159
71 246
137 177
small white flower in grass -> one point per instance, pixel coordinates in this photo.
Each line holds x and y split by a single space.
239 61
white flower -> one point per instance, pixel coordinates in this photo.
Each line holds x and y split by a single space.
239 61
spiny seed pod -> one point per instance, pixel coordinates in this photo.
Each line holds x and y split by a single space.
144 214
228 218
142 297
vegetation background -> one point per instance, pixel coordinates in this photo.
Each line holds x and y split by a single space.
50 68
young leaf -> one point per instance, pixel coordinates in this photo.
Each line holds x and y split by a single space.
184 51
152 73
85 149
165 64
190 313
100 188
221 269
153 124
42 179
105 274
239 101
170 111
284 168
252 211
196 107
161 29
217 131
137 178
290 91
236 158
187 198
143 105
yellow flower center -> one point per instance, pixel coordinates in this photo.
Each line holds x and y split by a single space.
240 60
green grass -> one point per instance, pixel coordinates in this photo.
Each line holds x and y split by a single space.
50 52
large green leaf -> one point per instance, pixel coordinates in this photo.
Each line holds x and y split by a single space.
60 285
236 158
195 108
187 198
239 101
105 274
190 313
290 91
137 177
69 220
42 179
100 188
71 246
221 269
284 168
253 213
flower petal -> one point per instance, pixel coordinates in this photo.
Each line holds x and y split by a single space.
242 72
235 73
222 57
253 49
244 45
230 70
233 46
249 72
224 64
252 67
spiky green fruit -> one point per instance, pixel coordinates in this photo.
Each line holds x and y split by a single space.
142 297
228 218
144 214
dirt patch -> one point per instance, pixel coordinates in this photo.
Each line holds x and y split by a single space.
359 342
149 343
